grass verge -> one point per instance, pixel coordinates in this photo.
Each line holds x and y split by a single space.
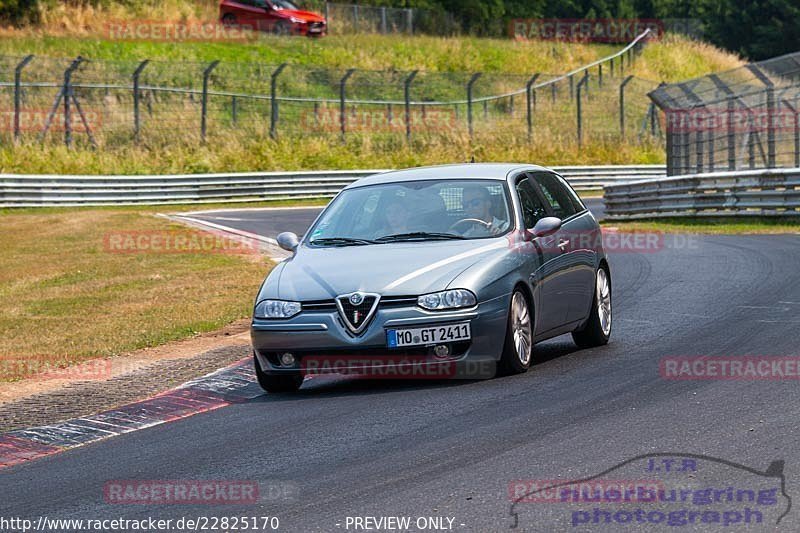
70 296
712 225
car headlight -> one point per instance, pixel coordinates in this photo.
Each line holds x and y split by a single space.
276 309
296 21
452 299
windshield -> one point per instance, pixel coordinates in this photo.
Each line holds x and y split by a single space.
284 4
415 210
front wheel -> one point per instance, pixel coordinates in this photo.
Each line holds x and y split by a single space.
597 330
518 346
277 383
282 28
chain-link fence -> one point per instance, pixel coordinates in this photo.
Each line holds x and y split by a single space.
744 118
108 103
355 18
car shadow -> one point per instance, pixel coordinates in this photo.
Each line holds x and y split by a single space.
334 385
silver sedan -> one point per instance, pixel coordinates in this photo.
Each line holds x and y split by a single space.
446 271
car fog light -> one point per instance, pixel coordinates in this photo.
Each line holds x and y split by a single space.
442 350
287 359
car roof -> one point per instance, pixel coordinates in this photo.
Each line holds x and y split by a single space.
492 171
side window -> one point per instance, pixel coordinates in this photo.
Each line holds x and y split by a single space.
532 207
576 201
557 195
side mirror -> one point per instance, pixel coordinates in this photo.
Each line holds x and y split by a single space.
289 241
544 227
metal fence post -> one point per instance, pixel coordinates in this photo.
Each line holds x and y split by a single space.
355 17
731 133
600 75
342 105
571 87
553 92
273 100
67 92
578 108
233 109
622 106
586 83
731 136
531 101
796 124
204 109
670 146
771 126
410 21
407 96
471 82
18 93
136 96
384 28
611 65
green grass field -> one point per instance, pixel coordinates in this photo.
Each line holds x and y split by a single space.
68 32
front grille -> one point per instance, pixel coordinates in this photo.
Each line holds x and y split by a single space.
387 301
356 315
398 301
319 305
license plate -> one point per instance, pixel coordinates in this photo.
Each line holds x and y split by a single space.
399 338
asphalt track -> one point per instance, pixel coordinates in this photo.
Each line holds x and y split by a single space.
430 448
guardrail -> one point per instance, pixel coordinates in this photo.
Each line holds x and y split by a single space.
766 192
54 190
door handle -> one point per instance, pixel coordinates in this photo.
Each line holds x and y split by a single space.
563 243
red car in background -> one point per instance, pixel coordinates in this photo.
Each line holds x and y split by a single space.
276 16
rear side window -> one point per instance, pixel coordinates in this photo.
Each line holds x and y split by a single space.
561 198
531 205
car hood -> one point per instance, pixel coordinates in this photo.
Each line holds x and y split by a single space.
387 269
305 16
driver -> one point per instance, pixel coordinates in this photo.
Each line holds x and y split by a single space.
477 204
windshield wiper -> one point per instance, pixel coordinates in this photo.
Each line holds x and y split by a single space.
418 235
342 241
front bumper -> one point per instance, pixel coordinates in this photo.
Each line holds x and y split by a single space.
321 336
313 29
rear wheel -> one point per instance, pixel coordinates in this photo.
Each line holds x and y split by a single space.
518 346
277 383
597 330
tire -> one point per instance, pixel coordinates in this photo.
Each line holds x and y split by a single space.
597 329
277 383
518 346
